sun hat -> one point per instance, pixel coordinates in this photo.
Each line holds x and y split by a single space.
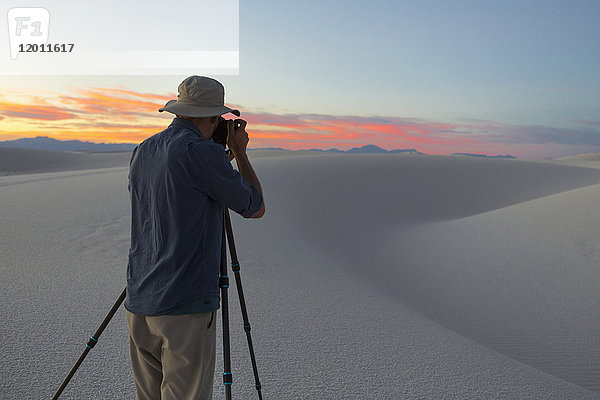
199 96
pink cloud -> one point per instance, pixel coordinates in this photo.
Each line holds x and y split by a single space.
387 132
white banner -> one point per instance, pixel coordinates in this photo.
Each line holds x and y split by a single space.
127 37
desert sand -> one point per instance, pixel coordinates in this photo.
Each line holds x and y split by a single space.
370 277
15 161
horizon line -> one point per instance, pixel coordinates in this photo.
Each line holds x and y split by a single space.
407 150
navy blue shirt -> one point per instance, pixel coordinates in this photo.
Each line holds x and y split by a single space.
179 182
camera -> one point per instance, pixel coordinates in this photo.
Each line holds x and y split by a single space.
220 134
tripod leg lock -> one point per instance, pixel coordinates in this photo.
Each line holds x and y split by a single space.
91 343
224 281
247 328
235 267
227 378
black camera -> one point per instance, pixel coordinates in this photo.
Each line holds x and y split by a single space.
220 134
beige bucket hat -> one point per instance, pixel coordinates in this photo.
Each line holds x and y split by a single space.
199 96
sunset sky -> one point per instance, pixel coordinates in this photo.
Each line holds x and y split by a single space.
509 77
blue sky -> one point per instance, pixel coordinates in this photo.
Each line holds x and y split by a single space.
522 76
512 61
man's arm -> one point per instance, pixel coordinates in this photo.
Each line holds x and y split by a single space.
238 141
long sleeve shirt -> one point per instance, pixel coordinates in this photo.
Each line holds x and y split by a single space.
179 182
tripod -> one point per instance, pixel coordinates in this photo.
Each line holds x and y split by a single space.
224 285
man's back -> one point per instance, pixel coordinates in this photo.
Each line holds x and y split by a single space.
178 181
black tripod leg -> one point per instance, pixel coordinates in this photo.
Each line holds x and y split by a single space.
224 284
91 343
235 266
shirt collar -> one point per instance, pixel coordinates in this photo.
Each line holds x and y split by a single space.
187 124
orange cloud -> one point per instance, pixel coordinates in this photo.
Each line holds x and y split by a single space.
115 102
95 114
47 113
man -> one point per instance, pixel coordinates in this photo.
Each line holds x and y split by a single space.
179 182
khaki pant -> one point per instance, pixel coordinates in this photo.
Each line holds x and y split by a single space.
173 356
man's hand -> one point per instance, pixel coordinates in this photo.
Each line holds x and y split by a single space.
237 139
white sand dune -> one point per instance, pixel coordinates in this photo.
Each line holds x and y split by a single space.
14 161
370 277
587 157
591 160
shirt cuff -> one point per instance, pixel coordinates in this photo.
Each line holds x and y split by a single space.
256 201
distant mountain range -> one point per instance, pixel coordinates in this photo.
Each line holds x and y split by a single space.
368 149
46 143
483 155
